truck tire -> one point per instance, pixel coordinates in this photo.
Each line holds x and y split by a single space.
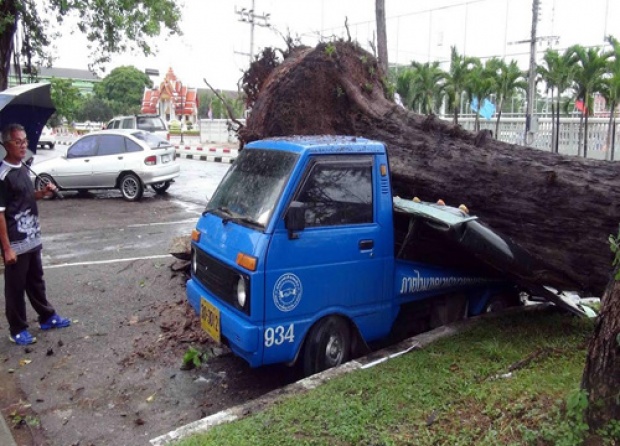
502 301
328 345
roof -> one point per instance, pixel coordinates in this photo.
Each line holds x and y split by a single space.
68 73
320 144
441 213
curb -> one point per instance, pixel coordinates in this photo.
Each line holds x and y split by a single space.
251 407
213 154
406 346
6 437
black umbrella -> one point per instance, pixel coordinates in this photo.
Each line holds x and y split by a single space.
29 105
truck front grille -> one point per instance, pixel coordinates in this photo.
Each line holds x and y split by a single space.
220 279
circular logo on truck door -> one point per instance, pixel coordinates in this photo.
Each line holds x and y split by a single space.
287 292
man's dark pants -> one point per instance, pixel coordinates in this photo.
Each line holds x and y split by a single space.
25 275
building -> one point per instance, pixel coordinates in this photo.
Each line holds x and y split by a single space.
172 100
84 80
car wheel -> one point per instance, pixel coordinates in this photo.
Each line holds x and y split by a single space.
327 345
131 187
161 187
42 180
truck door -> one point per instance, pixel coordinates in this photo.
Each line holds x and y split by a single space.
337 263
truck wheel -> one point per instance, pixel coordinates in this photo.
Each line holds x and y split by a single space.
131 187
328 345
504 300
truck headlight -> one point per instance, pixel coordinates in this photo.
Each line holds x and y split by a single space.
241 292
194 261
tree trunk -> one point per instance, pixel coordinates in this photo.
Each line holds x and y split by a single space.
382 35
601 377
7 31
560 208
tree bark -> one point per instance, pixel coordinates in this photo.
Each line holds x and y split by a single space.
8 27
601 376
560 208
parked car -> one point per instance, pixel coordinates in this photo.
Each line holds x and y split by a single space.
128 160
149 123
47 140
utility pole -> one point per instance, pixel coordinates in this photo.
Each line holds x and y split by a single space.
248 16
531 86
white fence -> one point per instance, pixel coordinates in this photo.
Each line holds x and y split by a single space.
511 130
217 130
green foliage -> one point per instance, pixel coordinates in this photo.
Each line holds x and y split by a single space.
123 89
192 358
94 109
112 26
218 109
330 49
614 245
66 98
454 392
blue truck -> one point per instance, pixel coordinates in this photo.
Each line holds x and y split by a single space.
303 256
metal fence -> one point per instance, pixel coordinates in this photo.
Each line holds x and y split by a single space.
511 130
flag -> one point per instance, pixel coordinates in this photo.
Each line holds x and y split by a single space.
579 106
486 111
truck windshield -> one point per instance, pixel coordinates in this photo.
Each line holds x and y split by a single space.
251 187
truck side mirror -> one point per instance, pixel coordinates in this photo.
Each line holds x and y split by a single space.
295 219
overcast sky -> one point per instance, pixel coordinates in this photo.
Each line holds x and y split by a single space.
216 44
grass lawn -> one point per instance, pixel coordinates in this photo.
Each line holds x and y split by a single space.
512 380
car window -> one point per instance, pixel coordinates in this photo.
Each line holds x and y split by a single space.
127 123
86 146
338 193
132 146
153 141
110 145
150 123
113 124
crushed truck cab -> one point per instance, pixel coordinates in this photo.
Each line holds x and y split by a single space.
303 256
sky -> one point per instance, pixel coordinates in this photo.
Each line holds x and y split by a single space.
216 44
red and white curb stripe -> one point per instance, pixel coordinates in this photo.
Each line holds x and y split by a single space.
204 153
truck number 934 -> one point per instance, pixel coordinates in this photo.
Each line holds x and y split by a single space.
279 335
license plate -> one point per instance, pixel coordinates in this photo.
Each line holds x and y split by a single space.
165 158
210 319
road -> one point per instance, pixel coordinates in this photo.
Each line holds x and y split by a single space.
102 227
113 377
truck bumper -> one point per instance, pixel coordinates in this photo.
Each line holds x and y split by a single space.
240 335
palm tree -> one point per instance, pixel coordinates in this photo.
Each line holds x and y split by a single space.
591 67
480 85
460 67
508 80
427 86
404 86
611 91
557 72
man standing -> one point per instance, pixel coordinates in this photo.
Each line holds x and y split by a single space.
20 239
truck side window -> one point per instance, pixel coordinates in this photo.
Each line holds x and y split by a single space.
338 194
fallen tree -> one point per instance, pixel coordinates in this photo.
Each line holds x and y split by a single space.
560 208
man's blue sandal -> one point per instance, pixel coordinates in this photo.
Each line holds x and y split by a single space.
23 338
55 321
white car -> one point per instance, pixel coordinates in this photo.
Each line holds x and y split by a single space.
47 140
128 160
